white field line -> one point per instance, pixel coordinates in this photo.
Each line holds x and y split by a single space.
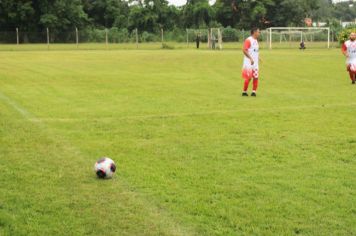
174 228
22 111
182 115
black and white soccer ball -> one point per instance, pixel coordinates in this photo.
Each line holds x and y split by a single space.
105 168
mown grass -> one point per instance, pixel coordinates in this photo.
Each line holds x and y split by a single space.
194 158
152 46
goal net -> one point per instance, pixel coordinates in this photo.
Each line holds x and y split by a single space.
293 37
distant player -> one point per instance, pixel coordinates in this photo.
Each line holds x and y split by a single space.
302 45
250 65
349 50
197 40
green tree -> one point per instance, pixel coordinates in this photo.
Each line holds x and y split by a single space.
344 11
227 12
198 13
61 15
255 13
324 11
107 13
151 15
17 14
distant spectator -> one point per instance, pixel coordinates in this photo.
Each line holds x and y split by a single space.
197 40
302 45
213 41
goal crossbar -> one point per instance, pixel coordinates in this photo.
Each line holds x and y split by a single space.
291 29
299 28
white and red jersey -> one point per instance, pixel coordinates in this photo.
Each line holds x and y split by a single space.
252 46
350 47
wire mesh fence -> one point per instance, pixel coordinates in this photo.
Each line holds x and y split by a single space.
115 38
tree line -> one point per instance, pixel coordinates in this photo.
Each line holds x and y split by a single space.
152 15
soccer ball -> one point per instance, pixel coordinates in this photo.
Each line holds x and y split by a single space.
105 168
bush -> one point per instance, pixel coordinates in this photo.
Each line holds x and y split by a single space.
96 35
119 35
167 46
345 33
124 36
176 35
149 37
113 35
230 34
132 36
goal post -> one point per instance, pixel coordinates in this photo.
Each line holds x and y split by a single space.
313 37
215 38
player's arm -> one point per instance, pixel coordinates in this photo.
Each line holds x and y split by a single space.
248 55
247 45
344 50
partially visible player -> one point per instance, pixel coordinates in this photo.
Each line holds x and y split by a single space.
250 68
349 50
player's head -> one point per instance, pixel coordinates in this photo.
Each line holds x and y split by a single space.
255 32
353 36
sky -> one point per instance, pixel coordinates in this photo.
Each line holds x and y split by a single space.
182 2
177 2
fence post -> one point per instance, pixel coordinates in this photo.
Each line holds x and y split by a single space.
220 38
106 38
328 37
211 37
17 36
136 38
301 36
47 38
187 36
76 37
162 39
208 38
270 38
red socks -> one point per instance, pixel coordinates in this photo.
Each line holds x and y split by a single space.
247 82
255 84
352 76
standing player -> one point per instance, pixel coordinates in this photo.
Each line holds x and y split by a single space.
197 40
250 66
349 50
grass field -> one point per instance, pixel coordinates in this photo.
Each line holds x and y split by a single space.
152 46
193 156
